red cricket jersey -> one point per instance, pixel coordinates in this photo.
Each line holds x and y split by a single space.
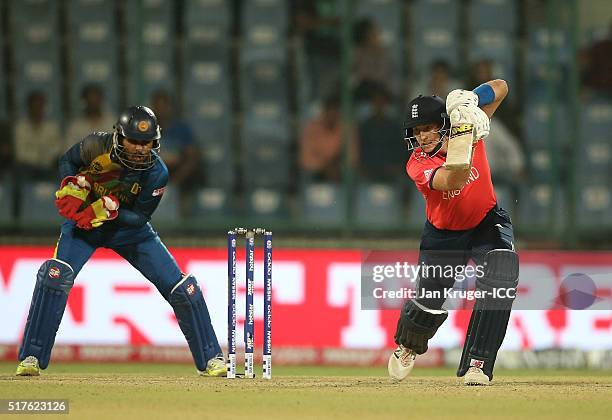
458 209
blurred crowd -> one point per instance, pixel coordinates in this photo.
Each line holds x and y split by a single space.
325 148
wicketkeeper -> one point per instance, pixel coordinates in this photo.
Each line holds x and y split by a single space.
112 184
463 222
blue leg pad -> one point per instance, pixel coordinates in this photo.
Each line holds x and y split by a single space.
53 283
192 314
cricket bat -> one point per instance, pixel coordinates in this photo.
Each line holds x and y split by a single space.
459 153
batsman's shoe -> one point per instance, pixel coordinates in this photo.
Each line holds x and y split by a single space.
475 376
28 367
215 367
401 363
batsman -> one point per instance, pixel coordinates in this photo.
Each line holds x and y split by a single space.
112 183
449 167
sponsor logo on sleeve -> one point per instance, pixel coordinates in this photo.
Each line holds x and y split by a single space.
159 191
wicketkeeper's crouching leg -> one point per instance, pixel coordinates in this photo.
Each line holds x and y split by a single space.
53 283
490 315
194 320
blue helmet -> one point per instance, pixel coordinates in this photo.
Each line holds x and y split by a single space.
137 123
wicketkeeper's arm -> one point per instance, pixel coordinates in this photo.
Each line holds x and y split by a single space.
145 204
70 162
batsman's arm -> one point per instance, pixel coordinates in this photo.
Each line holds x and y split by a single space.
491 94
444 179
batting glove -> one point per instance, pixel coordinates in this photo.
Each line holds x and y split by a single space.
460 97
472 115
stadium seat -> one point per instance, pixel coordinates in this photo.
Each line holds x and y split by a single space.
267 118
493 14
218 159
6 201
323 204
211 202
416 209
535 206
264 79
387 14
378 205
540 163
35 34
594 161
211 116
266 161
272 12
38 203
435 14
539 42
267 204
207 12
596 119
151 38
492 44
265 26
593 205
93 49
536 125
433 43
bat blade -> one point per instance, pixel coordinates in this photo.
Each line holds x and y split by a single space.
459 153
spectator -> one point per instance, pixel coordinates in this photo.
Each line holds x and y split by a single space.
440 81
506 158
382 155
94 117
372 65
596 63
37 141
321 144
178 150
317 24
481 71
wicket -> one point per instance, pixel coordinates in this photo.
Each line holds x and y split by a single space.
249 322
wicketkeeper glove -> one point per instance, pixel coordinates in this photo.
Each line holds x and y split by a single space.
98 212
472 115
71 195
460 97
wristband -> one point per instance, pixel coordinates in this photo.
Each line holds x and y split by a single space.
485 93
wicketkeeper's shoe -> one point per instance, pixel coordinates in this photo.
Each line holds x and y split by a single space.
401 363
28 367
475 376
215 367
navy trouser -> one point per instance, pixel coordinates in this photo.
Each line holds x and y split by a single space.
455 248
141 247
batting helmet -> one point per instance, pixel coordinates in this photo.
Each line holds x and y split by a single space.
424 110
